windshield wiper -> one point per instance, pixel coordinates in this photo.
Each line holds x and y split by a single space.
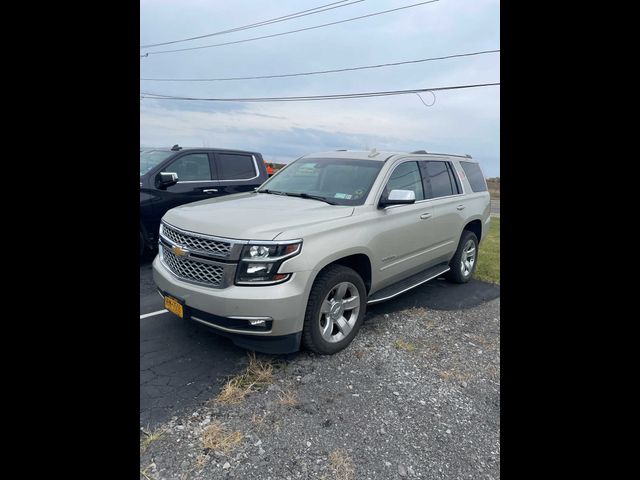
313 197
274 192
301 195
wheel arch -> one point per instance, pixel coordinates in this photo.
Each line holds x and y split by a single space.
357 260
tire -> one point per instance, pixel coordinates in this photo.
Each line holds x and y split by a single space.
339 314
458 272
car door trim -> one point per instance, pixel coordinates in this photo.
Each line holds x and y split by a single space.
414 255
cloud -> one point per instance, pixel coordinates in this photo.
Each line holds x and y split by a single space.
463 121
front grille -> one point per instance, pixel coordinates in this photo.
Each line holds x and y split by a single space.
210 275
220 249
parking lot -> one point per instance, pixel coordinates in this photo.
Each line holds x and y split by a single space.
183 364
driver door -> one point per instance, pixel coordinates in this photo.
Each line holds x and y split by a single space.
403 236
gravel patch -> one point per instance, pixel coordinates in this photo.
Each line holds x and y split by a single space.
416 395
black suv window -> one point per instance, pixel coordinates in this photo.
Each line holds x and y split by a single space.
191 167
439 177
475 177
235 167
406 177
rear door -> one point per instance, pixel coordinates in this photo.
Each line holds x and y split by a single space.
237 172
445 196
196 180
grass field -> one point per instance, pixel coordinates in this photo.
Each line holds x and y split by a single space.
488 268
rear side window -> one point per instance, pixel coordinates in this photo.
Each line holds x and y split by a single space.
191 167
406 177
475 177
440 180
235 167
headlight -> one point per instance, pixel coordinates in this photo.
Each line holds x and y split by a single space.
259 263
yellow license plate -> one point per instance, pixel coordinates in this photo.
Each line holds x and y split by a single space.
173 306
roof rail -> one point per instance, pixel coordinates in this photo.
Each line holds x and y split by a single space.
422 152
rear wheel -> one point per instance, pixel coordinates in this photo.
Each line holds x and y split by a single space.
335 310
464 262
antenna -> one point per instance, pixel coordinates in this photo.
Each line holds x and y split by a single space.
373 153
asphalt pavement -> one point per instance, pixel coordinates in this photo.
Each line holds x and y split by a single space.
183 364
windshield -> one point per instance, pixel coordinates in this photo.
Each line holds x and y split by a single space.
152 158
340 180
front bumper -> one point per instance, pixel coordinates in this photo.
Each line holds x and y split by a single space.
226 309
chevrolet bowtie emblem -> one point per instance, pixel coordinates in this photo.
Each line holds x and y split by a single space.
180 252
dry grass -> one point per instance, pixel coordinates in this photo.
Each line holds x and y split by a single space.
342 465
402 345
201 461
218 438
145 474
288 398
150 437
257 374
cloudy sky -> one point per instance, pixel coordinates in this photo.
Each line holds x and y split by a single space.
461 121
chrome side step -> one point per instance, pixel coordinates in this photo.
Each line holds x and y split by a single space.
408 283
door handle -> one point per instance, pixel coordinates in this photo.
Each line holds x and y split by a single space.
210 190
460 207
424 216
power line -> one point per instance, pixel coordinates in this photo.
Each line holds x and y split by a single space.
341 96
290 16
261 77
290 31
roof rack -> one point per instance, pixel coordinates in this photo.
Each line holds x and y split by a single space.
420 152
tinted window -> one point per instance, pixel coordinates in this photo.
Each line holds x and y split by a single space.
455 181
439 179
191 167
235 167
475 177
406 177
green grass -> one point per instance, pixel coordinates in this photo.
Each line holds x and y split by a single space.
488 268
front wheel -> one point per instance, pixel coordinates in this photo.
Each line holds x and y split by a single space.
335 310
464 262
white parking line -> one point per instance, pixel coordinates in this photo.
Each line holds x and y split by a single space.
153 313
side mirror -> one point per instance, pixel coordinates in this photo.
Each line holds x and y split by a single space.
398 197
166 179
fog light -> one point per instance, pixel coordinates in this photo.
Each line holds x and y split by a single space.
257 323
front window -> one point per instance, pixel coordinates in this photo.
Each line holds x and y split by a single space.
406 176
193 167
338 180
149 159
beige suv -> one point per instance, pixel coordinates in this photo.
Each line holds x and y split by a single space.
298 260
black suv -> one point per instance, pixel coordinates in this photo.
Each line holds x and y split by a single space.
172 177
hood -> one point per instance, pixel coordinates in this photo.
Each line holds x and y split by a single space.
253 216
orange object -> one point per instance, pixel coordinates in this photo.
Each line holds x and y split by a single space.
270 169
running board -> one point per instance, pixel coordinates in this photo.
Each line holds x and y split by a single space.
408 283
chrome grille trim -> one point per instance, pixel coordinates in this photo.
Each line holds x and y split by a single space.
208 273
197 242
